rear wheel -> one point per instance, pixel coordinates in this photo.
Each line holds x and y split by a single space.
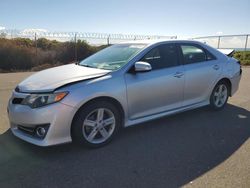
219 96
96 124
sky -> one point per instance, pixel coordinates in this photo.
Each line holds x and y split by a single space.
147 17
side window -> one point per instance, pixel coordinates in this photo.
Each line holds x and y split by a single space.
193 54
162 56
153 55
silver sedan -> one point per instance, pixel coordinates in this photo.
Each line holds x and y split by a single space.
120 86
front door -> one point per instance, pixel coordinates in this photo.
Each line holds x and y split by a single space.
158 90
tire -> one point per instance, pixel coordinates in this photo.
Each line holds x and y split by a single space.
219 96
96 124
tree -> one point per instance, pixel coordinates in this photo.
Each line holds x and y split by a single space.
3 35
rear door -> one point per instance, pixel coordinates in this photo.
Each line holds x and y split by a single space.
160 89
201 71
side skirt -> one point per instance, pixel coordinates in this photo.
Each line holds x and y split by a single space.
167 113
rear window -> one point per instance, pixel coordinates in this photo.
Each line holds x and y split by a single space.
195 54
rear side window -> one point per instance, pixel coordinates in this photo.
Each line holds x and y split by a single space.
162 56
193 54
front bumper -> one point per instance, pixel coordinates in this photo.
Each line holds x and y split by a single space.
57 117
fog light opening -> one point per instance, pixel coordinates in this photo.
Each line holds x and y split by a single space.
40 131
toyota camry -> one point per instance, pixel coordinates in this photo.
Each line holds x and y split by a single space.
120 86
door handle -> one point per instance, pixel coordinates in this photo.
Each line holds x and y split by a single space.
178 74
216 67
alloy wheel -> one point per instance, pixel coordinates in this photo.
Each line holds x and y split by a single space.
220 95
98 125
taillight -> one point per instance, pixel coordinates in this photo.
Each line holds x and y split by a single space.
240 67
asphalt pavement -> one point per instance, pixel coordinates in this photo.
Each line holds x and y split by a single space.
198 148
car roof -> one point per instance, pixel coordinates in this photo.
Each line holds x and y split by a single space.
153 41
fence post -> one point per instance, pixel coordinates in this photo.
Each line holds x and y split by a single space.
75 48
36 46
245 56
246 42
218 42
108 40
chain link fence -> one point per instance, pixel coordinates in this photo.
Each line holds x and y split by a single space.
66 47
237 42
91 38
94 39
36 49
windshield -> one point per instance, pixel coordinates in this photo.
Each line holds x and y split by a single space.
113 57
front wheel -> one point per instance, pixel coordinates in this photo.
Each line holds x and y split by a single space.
219 96
96 124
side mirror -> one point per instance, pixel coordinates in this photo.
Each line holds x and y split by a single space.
141 66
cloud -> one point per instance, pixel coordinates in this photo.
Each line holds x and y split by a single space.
2 28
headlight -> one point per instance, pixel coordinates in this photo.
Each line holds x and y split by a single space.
39 100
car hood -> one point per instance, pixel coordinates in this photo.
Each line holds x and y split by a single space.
50 79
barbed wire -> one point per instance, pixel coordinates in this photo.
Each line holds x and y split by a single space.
13 33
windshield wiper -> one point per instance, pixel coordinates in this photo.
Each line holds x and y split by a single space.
85 65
